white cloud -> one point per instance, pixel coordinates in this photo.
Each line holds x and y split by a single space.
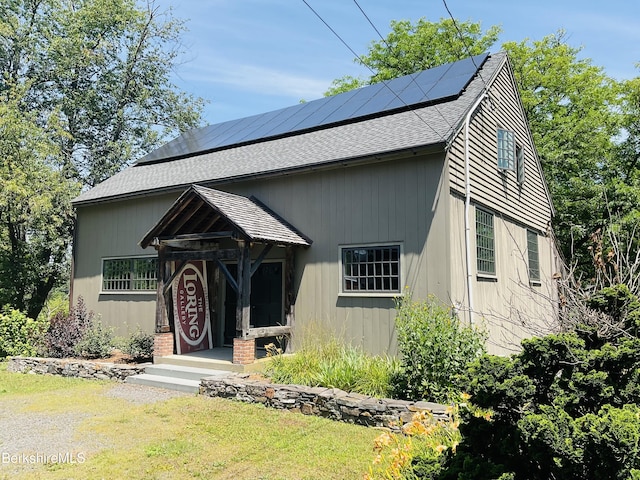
254 78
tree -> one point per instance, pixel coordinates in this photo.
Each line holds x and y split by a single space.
36 218
410 48
571 108
88 80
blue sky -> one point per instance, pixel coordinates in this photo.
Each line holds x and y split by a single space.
253 56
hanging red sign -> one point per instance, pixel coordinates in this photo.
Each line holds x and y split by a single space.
191 309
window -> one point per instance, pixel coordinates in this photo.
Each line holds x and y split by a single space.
485 248
520 163
506 150
371 269
129 274
534 256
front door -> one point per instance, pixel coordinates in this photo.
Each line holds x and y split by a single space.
266 300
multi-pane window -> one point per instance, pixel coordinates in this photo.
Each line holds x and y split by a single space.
129 274
371 269
534 256
485 243
506 149
520 163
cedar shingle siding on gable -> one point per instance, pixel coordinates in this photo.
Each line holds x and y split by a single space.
394 179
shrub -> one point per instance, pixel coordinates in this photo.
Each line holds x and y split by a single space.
419 452
435 347
96 342
139 346
564 407
324 360
66 330
19 334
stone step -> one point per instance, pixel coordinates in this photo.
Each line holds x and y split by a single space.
170 383
206 363
180 371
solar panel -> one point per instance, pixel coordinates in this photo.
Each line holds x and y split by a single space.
410 91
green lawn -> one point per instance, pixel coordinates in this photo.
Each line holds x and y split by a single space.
186 437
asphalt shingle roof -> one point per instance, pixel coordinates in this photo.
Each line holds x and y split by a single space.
251 218
370 137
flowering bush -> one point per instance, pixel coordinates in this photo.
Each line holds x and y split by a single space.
420 451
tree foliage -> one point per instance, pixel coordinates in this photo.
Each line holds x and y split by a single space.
84 91
410 47
570 105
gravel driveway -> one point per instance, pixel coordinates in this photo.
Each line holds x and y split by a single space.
30 438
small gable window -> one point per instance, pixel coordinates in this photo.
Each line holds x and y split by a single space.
506 149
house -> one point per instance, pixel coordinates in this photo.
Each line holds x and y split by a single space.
326 211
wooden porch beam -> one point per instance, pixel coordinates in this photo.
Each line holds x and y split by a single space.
162 320
243 308
262 332
211 255
265 251
232 281
197 236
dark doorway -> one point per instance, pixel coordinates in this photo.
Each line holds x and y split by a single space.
266 300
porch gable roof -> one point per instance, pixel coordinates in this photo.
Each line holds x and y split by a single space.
201 210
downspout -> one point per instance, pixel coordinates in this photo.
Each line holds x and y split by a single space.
467 205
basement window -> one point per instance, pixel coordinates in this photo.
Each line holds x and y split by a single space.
371 269
137 274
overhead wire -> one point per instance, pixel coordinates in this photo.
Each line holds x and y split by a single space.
412 78
384 82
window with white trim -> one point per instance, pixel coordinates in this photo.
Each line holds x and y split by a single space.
137 274
485 243
506 149
371 269
533 256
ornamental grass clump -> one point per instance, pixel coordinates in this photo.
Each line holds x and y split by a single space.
435 347
322 359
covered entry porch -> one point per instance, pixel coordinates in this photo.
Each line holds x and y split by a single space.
213 248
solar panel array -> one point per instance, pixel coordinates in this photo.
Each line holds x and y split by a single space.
426 87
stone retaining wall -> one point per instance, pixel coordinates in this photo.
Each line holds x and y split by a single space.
326 402
74 368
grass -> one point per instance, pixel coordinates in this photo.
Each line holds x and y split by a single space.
187 437
324 359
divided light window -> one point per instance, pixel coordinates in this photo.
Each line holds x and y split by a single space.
485 243
534 256
371 269
506 149
129 274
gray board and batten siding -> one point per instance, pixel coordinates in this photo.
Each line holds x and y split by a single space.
373 180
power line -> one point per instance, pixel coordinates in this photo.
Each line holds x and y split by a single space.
412 78
372 71
464 44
